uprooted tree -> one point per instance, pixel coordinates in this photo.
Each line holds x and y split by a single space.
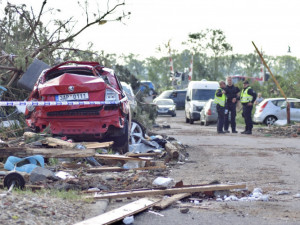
24 36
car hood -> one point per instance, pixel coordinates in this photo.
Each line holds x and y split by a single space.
60 85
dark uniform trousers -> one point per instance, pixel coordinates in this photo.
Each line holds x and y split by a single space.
247 116
221 113
232 109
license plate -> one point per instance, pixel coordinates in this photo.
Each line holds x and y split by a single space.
72 97
162 110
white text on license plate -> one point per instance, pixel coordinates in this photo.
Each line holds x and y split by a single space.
72 97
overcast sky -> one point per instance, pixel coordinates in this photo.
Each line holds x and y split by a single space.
272 24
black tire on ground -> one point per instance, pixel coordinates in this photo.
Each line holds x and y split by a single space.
201 123
121 143
186 119
191 120
206 123
173 115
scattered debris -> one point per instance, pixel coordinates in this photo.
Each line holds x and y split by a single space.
289 131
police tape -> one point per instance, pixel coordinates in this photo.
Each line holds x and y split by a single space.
54 103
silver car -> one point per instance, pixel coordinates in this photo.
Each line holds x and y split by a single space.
209 113
272 109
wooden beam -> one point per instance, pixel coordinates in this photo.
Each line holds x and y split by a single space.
46 152
99 144
170 191
120 213
105 169
164 203
172 150
57 142
120 169
143 154
119 157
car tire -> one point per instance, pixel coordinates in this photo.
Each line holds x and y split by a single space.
201 123
137 132
206 123
270 120
173 115
187 120
121 143
191 120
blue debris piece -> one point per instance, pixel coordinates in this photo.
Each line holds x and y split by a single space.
24 164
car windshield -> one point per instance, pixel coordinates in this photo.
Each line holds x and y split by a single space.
165 102
78 71
203 94
128 92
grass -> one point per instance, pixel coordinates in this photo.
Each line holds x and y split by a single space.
70 195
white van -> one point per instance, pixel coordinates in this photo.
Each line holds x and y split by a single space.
198 92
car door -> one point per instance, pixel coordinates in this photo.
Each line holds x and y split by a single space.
295 111
279 109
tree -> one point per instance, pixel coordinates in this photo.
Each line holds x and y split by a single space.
218 46
24 36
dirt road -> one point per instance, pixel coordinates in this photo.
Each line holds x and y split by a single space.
270 163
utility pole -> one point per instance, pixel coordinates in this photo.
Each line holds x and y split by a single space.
277 84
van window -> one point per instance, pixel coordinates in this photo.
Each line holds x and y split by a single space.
203 94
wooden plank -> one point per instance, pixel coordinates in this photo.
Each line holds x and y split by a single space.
105 169
46 152
162 167
120 213
143 154
164 203
120 169
120 157
170 191
99 145
57 142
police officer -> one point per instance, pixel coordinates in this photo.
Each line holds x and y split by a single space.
248 97
220 99
230 106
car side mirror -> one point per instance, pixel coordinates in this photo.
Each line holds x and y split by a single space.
188 98
283 107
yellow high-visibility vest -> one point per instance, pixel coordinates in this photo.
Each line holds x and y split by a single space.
220 100
245 97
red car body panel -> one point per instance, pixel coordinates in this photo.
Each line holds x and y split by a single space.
79 121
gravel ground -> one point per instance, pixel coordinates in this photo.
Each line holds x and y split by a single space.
35 209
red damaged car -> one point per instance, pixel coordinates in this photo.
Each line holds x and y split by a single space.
81 82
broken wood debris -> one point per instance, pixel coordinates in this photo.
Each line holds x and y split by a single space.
120 157
46 152
98 145
169 191
164 203
172 150
120 213
120 169
143 154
